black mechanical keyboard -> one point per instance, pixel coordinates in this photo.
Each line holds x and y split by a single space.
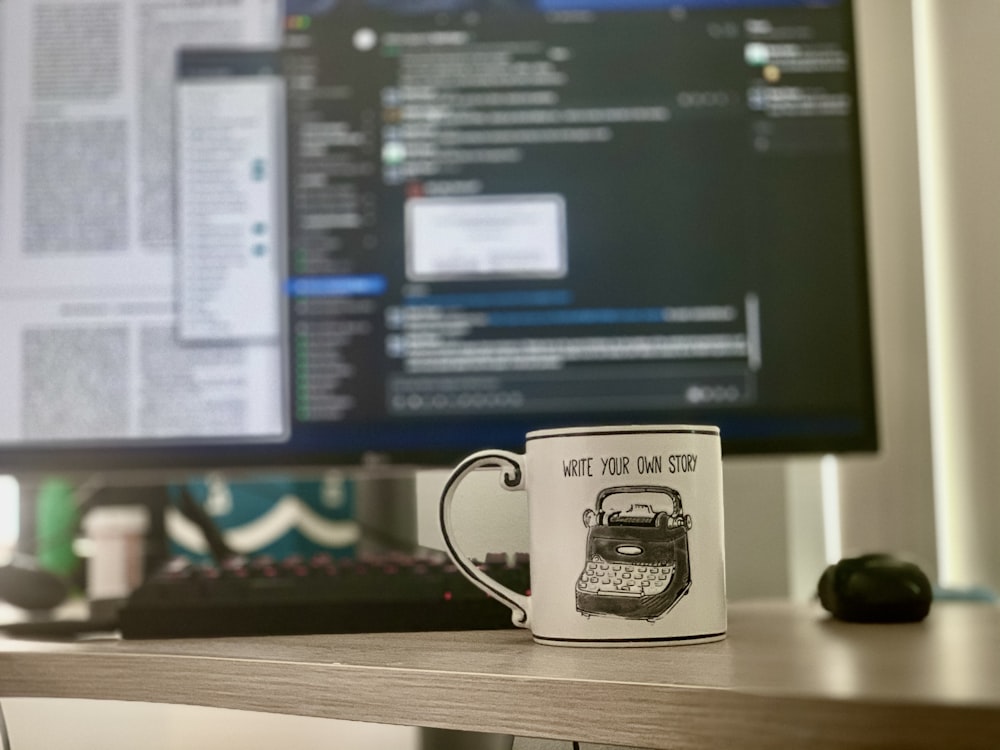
390 592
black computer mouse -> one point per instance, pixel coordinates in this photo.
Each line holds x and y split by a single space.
25 585
875 588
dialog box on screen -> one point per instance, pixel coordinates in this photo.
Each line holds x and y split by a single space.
479 237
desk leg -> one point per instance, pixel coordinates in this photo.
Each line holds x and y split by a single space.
452 739
4 737
533 743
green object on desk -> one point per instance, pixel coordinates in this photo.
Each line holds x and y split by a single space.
56 519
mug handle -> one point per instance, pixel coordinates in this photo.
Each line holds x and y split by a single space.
511 478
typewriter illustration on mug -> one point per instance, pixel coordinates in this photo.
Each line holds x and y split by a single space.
637 558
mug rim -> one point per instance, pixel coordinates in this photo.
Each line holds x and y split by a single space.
633 429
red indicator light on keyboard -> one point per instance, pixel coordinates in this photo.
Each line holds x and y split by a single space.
447 596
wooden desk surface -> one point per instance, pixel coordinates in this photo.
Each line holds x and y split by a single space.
786 676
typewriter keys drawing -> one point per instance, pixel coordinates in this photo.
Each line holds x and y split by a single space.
638 565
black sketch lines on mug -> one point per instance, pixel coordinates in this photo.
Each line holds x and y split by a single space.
637 564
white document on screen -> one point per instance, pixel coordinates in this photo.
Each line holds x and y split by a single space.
230 206
87 229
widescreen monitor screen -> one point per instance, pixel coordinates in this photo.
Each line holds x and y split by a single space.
421 228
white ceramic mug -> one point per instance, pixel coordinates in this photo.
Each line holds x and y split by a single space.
626 526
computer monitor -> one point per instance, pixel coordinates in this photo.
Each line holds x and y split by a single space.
424 227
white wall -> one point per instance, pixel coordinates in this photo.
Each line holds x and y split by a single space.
958 58
887 500
9 515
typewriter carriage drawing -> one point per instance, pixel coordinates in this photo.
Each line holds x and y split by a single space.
638 565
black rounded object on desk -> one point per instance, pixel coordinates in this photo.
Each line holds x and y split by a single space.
875 588
25 585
